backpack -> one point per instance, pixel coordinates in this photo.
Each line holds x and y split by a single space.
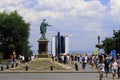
83 59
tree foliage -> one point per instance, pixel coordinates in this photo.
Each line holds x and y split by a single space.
108 44
112 43
116 37
14 34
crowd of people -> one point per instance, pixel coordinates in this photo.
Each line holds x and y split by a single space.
20 59
109 66
102 63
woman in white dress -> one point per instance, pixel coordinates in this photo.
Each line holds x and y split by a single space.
114 67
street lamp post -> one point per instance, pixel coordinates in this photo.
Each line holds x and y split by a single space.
98 44
98 40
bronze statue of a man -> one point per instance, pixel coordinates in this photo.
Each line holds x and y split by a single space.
43 28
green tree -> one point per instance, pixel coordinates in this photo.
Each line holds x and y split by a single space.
112 43
14 34
108 44
117 39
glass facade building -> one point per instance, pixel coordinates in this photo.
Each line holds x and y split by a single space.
59 44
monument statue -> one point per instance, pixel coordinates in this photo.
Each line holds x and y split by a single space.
43 28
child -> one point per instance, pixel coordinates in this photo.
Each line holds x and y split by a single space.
101 69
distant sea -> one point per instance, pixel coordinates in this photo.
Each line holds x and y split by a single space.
82 52
70 52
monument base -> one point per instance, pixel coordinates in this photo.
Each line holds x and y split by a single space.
43 46
42 56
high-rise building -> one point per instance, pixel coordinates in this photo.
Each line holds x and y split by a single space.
66 44
53 46
59 44
62 44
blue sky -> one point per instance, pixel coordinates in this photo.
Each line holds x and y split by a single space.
81 20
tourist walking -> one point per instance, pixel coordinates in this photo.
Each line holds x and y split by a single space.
96 61
11 58
93 61
101 66
114 67
14 57
107 65
84 61
78 56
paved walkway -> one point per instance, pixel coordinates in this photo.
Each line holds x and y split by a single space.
87 69
51 76
87 74
68 67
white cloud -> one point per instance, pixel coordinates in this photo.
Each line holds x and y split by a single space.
93 27
12 2
115 6
115 10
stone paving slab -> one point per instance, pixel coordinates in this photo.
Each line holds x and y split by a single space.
52 76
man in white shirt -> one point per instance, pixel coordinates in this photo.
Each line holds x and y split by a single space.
84 61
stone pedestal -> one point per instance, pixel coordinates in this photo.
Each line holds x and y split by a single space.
43 46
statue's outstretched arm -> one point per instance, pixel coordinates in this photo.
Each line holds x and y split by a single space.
50 25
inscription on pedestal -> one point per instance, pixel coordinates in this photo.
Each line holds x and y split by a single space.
43 46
